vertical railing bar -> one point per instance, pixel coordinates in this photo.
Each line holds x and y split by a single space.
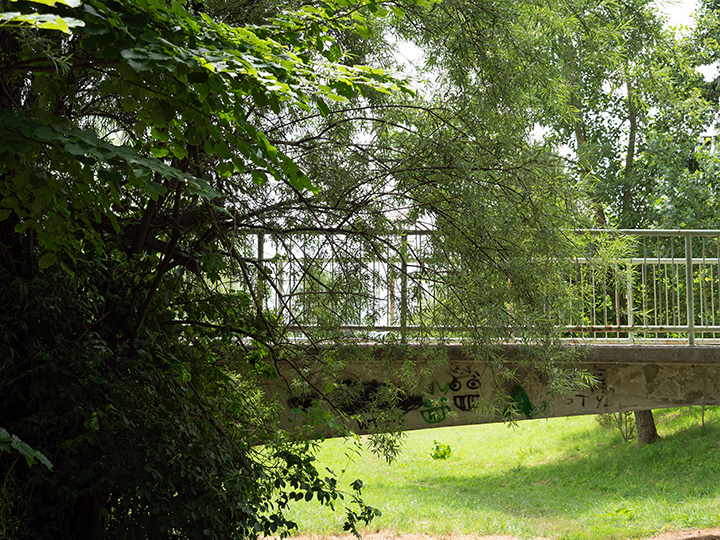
280 264
617 298
403 289
260 269
631 315
376 278
604 300
717 261
644 282
689 289
581 283
586 296
679 302
669 297
712 295
656 277
703 296
390 275
593 304
667 307
572 303
417 289
672 307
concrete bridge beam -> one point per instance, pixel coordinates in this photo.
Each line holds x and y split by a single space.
628 377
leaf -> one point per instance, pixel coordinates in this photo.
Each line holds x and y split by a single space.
9 442
47 260
364 31
399 13
178 150
324 109
51 3
259 177
160 135
222 149
41 21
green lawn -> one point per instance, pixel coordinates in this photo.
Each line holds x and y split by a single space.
562 478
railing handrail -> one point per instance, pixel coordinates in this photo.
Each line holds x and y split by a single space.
655 232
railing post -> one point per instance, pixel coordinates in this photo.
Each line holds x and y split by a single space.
630 305
261 266
403 289
689 296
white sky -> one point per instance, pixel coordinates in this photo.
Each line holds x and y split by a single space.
679 11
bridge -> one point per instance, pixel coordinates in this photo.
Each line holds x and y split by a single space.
643 324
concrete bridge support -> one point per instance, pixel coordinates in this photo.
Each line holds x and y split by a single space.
627 378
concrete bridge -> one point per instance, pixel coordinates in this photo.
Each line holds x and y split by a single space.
626 377
645 330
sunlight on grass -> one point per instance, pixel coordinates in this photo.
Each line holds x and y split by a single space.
561 478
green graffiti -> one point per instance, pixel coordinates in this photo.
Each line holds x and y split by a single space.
435 412
519 403
441 389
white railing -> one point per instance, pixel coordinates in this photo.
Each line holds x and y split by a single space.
659 285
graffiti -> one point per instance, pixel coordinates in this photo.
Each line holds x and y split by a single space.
435 411
596 397
358 397
462 392
520 403
466 402
434 385
460 389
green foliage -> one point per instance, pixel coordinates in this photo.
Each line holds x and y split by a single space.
125 148
42 21
9 443
440 451
140 155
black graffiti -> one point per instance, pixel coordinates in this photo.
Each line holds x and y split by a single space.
471 384
466 402
357 397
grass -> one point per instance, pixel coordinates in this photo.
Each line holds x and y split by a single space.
561 478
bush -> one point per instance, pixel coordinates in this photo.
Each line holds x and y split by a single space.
440 451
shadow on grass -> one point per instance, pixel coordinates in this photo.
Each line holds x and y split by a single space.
613 482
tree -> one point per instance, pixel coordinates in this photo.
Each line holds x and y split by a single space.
632 133
123 144
144 145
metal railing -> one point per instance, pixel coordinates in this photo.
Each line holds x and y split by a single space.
651 285
311 280
666 286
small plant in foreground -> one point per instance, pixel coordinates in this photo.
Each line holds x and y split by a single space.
440 451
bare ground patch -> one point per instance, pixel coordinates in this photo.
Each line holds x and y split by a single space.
689 534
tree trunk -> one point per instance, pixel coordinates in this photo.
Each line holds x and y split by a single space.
645 424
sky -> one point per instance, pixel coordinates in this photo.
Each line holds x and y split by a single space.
679 11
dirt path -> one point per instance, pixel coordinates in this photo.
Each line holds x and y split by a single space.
690 534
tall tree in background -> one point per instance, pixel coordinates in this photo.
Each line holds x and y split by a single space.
609 83
638 115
